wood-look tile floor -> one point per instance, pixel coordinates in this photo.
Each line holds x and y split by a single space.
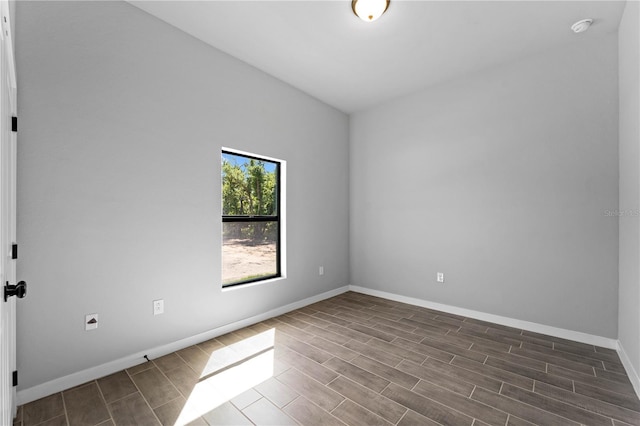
359 360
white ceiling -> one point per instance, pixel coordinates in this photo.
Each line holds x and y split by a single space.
321 48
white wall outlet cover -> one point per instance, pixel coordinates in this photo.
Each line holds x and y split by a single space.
440 277
158 307
90 322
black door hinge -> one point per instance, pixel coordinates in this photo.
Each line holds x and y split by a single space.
14 124
15 378
14 251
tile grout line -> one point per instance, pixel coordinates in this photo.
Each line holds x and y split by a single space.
64 407
144 398
472 391
105 401
551 412
354 402
337 406
572 404
402 417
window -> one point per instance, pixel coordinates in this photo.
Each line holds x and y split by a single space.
250 219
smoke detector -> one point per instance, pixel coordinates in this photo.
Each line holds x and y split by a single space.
582 26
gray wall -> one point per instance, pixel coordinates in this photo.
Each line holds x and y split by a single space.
501 181
629 69
122 119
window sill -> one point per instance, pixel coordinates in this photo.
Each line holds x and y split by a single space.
255 283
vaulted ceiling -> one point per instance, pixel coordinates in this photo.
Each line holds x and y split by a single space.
323 49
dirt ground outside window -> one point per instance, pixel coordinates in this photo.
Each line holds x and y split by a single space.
244 260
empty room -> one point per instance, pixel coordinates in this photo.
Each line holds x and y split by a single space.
331 212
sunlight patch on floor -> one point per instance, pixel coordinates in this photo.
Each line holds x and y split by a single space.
229 372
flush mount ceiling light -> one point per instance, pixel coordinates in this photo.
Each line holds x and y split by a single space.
369 10
582 26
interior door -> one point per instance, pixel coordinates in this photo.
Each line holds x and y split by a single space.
7 219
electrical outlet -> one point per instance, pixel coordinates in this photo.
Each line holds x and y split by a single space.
158 307
321 271
90 322
440 277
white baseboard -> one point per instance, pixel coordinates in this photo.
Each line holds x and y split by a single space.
497 319
628 366
48 388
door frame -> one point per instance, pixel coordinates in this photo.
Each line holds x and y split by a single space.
8 160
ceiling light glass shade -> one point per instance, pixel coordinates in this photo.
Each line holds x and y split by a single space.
369 10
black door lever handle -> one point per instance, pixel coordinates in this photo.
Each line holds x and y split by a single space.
19 290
